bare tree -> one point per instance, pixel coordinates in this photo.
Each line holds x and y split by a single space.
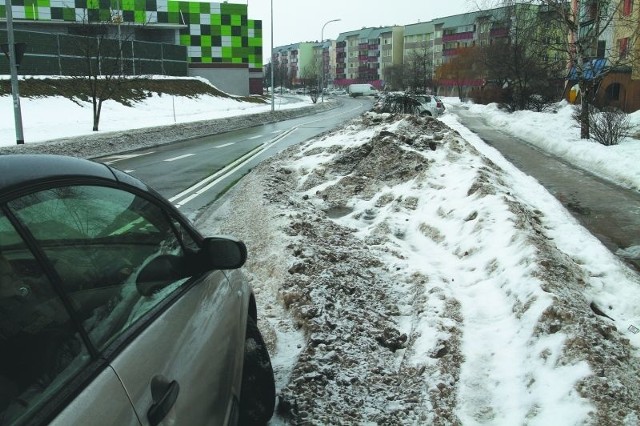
418 70
589 25
394 77
462 68
101 68
525 63
310 77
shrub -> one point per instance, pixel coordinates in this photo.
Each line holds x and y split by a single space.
608 126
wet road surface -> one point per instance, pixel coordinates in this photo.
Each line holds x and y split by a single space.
609 212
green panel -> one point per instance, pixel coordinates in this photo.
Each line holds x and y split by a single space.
3 11
225 30
93 4
69 14
216 19
185 39
140 16
128 5
204 7
255 42
236 20
140 5
216 30
231 9
227 53
205 41
236 60
236 41
174 17
173 6
194 7
29 10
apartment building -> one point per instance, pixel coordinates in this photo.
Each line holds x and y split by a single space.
295 63
620 88
223 44
358 55
391 52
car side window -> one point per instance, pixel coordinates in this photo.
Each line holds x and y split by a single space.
40 348
117 254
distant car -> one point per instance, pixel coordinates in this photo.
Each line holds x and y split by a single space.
439 105
299 91
431 105
362 90
115 310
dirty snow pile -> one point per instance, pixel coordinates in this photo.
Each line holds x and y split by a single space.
404 277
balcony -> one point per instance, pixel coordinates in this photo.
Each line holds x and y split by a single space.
499 32
457 37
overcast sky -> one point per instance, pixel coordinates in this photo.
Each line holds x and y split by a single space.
302 20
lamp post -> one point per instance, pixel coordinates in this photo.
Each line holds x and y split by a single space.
322 70
13 69
271 60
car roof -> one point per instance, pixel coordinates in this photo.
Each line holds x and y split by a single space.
21 169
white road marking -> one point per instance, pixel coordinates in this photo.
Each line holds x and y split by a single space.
179 157
204 185
255 137
116 158
226 144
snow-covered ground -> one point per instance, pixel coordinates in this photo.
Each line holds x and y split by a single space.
421 286
58 117
398 284
557 133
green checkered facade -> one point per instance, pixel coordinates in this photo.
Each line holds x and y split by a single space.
215 32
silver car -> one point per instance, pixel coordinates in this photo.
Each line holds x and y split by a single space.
114 310
431 105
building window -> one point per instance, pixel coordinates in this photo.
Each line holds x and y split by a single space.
623 47
602 49
613 92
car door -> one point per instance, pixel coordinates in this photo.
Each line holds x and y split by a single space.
44 362
185 367
168 335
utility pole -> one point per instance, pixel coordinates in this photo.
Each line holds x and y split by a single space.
322 66
13 68
272 86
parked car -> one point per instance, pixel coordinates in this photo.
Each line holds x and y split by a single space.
431 105
399 103
115 310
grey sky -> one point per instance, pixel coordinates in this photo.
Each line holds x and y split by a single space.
302 20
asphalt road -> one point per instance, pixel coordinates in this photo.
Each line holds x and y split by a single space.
609 212
192 174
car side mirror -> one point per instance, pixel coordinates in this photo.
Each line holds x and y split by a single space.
222 253
159 273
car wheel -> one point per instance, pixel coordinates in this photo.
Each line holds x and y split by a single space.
258 393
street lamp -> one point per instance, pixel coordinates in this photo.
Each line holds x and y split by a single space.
271 60
322 70
13 69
